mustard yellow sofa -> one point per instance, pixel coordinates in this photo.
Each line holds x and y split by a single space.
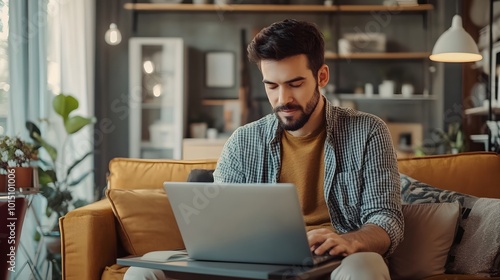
90 243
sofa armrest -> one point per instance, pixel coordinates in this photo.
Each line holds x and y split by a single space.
88 241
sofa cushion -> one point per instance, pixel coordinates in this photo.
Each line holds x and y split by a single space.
124 172
428 236
146 221
114 272
470 173
477 249
477 225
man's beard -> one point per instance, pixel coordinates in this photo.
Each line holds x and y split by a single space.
292 125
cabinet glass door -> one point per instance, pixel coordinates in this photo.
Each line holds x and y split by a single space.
157 97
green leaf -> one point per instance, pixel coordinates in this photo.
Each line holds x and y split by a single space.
44 163
79 203
64 104
48 212
56 200
50 150
37 236
77 162
46 177
76 123
66 195
47 192
77 181
32 129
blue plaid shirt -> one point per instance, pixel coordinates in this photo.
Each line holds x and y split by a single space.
361 184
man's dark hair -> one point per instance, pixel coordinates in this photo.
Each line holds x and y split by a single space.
288 38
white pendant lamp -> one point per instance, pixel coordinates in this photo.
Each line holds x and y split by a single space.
455 45
113 35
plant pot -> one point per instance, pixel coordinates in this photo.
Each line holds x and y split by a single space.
21 177
3 183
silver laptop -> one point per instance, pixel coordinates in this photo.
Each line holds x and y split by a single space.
250 223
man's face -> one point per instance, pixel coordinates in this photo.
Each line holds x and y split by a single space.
291 89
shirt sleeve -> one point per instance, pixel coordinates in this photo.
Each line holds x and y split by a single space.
381 199
229 166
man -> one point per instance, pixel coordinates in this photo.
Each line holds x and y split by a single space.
341 161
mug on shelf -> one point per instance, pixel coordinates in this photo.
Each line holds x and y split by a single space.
386 88
407 90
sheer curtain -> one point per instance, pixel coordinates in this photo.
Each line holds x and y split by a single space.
71 71
27 64
51 50
27 54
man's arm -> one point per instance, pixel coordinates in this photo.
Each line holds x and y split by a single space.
376 195
369 238
229 168
381 198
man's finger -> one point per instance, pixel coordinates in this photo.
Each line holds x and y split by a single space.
315 239
326 246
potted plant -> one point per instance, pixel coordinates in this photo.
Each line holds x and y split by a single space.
452 140
56 177
16 155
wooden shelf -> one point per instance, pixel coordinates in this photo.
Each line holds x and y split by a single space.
388 55
481 111
396 97
481 138
149 145
379 8
273 8
217 102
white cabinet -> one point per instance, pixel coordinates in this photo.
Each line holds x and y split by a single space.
157 102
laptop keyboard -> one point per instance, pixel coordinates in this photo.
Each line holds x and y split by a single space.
321 259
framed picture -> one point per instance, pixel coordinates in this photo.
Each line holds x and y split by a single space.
220 69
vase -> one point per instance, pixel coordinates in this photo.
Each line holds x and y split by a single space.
3 183
20 177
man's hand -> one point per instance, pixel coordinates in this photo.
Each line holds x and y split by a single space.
323 240
369 238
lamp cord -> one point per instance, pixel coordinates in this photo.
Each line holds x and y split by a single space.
115 12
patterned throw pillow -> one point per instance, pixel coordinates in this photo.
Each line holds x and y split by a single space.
479 249
415 192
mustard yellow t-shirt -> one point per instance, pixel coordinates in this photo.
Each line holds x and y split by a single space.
302 163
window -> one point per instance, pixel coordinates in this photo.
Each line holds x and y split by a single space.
4 65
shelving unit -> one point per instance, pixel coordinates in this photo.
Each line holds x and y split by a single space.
481 111
157 103
386 55
160 7
481 115
217 102
397 97
412 57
